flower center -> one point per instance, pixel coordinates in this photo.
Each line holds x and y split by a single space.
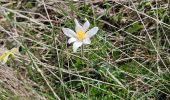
80 35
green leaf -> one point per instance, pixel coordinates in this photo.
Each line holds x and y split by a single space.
135 27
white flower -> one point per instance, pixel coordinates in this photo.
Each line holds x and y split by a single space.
81 35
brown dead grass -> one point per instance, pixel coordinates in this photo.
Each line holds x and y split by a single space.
10 81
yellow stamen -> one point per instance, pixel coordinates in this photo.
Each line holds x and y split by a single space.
80 35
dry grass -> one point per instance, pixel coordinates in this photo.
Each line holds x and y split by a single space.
18 87
128 59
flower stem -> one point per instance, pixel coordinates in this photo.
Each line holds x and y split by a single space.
82 51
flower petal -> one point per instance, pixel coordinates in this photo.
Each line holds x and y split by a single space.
76 45
87 41
92 32
4 57
78 26
14 51
68 32
86 25
71 40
